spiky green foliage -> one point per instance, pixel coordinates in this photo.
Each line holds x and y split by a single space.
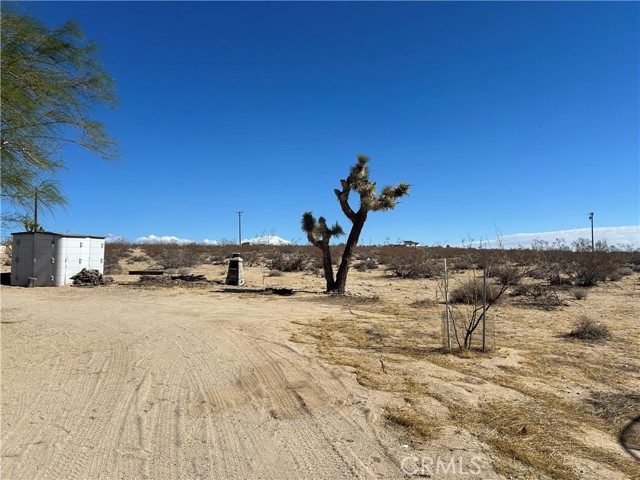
319 232
51 84
358 181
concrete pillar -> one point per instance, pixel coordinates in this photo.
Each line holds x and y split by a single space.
235 274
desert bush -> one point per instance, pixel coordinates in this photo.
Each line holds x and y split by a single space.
463 262
471 292
579 293
113 253
554 273
527 290
620 273
368 264
170 255
591 268
506 274
250 258
427 302
417 265
542 297
288 262
588 329
275 273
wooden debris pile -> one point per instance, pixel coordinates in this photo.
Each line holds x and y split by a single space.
174 280
90 277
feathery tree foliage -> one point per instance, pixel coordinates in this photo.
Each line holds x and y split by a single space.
51 84
319 233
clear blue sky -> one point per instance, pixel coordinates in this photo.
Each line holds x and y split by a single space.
520 116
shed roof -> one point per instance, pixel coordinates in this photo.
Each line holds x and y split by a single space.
73 235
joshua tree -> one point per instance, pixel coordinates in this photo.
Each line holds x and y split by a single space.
319 233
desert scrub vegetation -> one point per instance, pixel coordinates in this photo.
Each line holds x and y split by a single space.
555 268
288 262
113 253
579 293
591 268
471 292
588 329
366 265
412 264
539 296
173 256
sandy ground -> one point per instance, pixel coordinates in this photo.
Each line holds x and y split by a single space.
215 382
117 382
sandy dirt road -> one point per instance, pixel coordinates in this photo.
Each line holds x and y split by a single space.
118 382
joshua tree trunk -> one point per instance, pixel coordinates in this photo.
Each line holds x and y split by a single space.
347 255
328 268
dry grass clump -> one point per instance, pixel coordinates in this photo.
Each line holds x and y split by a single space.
347 300
588 329
415 422
619 408
526 433
425 303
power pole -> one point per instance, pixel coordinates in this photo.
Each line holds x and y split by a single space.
239 227
592 244
35 210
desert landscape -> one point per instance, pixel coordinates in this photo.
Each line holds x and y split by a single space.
179 379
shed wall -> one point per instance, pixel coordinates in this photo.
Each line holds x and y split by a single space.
53 259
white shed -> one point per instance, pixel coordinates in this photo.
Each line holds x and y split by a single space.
53 258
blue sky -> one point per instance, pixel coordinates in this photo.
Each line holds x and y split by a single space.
517 117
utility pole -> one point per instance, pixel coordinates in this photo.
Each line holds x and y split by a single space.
239 227
593 249
35 210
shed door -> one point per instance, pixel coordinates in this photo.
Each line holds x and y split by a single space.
43 260
21 259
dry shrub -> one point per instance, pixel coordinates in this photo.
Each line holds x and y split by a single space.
463 263
579 293
588 329
288 262
113 253
620 273
554 272
506 274
171 255
413 264
365 265
591 268
427 302
537 296
471 292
